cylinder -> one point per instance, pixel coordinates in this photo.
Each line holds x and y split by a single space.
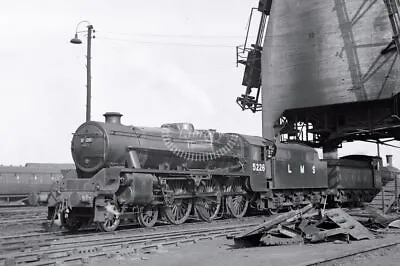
139 189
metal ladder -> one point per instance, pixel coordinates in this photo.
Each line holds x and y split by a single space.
251 58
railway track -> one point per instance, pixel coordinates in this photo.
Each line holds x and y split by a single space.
11 213
22 216
12 205
21 208
22 221
24 241
44 249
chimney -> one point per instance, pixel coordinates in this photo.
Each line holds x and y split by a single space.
389 160
113 117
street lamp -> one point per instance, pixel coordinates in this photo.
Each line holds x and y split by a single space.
76 40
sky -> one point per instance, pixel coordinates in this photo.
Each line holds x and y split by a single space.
154 61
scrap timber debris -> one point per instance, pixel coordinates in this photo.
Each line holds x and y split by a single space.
307 225
373 218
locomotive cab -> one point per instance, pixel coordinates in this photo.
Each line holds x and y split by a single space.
258 154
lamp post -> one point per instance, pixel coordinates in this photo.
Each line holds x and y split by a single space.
76 40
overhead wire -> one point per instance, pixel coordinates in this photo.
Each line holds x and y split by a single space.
133 39
168 43
158 35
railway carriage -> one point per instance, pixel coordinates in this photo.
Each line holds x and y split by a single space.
29 184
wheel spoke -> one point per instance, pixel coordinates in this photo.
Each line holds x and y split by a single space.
112 220
237 204
148 216
208 206
179 209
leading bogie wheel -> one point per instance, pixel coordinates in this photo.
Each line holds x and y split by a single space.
112 218
148 216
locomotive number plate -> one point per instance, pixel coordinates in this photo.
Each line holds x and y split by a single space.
258 167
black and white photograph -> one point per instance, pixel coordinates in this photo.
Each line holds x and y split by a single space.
230 132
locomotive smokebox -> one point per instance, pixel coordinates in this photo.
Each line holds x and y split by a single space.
113 117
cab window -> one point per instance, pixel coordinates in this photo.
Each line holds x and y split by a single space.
255 153
262 153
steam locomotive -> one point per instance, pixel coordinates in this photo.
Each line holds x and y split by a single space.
174 171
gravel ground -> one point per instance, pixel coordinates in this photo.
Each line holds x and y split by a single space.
387 257
221 252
